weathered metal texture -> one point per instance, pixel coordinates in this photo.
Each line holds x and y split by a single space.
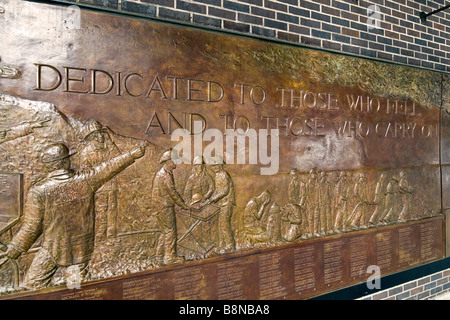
88 117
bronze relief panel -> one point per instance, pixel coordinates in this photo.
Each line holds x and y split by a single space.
307 145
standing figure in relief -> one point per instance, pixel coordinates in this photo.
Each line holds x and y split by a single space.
164 198
224 196
324 203
98 149
390 211
342 191
405 191
357 218
312 205
379 200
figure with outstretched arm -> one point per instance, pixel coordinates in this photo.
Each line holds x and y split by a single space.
60 208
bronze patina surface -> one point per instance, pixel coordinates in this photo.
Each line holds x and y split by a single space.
91 192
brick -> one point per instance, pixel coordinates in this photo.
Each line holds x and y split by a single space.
350 49
230 15
349 16
292 2
427 64
325 2
406 38
299 12
400 59
250 19
392 35
331 11
358 10
263 12
406 24
321 34
439 40
391 4
236 26
384 55
210 2
399 29
340 5
419 27
429 286
419 55
391 19
417 290
341 38
331 28
400 44
413 47
412 18
299 29
437 289
310 23
414 61
421 42
368 52
263 32
236 6
287 18
402 296
309 5
165 3
413 33
380 296
310 41
207 21
331 45
341 22
376 46
112 4
275 6
444 280
252 2
145 9
189 6
433 58
439 53
392 49
288 36
398 14
426 36
358 26
407 53
320 16
384 40
445 35
175 15
395 290
427 50
359 42
275 24
434 45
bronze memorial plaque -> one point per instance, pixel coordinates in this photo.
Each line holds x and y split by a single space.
145 160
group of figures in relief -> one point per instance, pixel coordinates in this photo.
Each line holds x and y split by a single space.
324 203
62 207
